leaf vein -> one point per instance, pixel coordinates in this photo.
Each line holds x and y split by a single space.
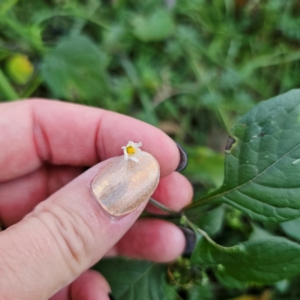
251 180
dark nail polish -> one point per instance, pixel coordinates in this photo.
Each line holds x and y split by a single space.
190 238
2 227
183 159
111 297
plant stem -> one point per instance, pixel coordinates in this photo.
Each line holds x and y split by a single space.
193 226
33 85
199 203
164 208
7 88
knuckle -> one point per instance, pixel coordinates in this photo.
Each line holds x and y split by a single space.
71 233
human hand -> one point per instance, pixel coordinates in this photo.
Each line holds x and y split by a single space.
55 228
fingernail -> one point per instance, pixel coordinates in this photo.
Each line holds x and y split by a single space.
190 240
183 159
123 185
111 297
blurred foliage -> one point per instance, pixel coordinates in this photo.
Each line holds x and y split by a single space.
19 68
188 67
194 64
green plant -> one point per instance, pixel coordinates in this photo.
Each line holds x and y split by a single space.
262 164
190 68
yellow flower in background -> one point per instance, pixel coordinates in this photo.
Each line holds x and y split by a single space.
19 68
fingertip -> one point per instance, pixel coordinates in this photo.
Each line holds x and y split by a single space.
89 286
174 191
179 242
154 141
152 239
167 154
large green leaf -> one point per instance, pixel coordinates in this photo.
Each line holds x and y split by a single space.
135 279
262 163
74 70
263 258
227 280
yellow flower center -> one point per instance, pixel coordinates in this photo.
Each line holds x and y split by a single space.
130 150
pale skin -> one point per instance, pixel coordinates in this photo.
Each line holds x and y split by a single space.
55 229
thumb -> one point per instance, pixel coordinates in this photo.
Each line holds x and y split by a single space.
74 228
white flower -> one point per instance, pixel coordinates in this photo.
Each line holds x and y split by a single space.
131 151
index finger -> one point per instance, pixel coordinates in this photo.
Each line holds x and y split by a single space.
37 131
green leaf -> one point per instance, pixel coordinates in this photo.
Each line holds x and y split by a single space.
262 166
75 70
7 5
283 285
210 221
201 292
205 165
135 279
264 258
227 280
155 27
259 233
291 228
